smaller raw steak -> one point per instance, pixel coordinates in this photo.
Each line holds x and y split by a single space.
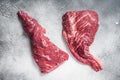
79 29
46 54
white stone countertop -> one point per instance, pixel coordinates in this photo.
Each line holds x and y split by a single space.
16 62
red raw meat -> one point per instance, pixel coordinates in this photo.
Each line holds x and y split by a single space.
46 54
79 29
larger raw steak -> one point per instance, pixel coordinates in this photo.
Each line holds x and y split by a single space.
79 29
46 54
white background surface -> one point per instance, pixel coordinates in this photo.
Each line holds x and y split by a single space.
16 62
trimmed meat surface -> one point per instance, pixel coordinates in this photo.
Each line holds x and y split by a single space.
46 54
79 29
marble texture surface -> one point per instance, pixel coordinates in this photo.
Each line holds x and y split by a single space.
16 62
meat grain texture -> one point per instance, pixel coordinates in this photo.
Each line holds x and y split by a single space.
79 29
46 54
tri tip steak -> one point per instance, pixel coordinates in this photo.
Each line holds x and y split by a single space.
79 29
46 54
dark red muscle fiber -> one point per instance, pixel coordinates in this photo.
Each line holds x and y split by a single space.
46 54
79 29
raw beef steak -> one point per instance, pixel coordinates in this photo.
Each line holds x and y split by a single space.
79 29
46 54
